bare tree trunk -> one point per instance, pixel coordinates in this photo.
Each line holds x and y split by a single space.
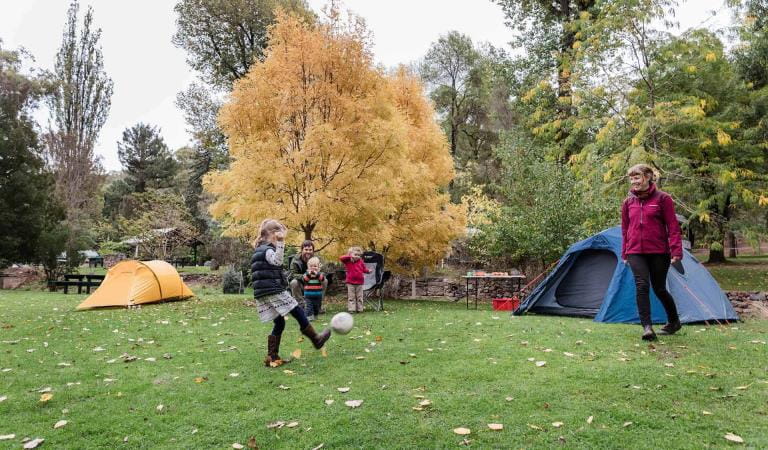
732 244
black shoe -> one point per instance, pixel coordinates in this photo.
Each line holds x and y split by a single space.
671 328
648 334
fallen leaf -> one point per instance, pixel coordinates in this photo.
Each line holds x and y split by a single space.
734 438
237 446
63 364
569 354
535 427
59 424
626 424
590 419
324 352
706 413
462 431
496 426
160 407
557 424
343 389
252 442
296 354
34 443
359 357
465 442
283 387
278 424
541 363
6 437
378 338
289 372
201 379
150 359
425 403
3 398
353 403
669 365
46 397
292 425
318 447
329 401
234 374
743 388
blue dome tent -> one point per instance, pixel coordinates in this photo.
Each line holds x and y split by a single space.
591 281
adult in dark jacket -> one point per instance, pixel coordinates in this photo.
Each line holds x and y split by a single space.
650 243
269 284
298 268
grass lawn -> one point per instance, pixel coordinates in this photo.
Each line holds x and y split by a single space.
747 273
201 360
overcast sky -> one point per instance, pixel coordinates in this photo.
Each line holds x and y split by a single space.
148 70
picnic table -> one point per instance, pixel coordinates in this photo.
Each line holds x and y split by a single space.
514 279
96 261
180 262
76 280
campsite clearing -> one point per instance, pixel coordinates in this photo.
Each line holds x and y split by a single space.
188 374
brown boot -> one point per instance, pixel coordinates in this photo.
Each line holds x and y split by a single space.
318 340
273 347
648 334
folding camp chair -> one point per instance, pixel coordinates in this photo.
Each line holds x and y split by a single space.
373 282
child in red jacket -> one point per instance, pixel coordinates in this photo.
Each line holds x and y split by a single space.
355 269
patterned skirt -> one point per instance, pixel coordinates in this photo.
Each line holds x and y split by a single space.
272 306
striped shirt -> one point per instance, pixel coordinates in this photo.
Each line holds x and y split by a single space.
313 285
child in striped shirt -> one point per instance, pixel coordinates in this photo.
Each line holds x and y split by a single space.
313 287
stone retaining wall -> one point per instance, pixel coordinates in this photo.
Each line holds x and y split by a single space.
749 304
449 288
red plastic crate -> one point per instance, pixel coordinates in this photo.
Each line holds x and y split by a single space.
506 304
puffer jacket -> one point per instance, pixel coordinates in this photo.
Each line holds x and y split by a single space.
267 279
649 225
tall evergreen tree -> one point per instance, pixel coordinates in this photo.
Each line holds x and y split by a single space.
146 159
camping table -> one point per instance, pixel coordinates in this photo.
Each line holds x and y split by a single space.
513 278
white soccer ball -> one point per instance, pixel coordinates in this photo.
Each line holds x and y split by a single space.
342 323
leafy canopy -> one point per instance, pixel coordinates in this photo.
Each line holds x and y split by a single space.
336 149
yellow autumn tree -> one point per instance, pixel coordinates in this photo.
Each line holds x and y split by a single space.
341 152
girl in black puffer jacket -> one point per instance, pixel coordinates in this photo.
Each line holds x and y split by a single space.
269 291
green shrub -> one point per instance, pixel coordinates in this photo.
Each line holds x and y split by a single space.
232 282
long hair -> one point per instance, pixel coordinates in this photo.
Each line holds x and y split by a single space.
266 229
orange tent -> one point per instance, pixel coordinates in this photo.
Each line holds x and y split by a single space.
137 282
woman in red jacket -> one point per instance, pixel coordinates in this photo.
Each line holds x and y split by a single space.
650 243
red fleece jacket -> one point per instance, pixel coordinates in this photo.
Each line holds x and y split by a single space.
649 225
355 270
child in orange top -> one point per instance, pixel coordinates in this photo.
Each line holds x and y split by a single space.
355 278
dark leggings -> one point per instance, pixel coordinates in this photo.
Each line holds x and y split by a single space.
652 267
297 314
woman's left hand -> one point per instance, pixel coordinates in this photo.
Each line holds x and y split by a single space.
674 259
